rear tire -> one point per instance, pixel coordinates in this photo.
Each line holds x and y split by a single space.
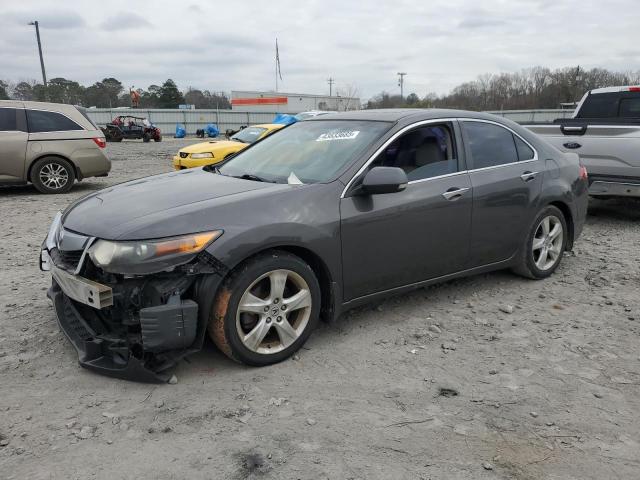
146 138
544 245
52 175
266 309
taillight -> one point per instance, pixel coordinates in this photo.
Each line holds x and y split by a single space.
100 141
634 89
583 173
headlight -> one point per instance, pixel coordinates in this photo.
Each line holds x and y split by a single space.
149 256
202 155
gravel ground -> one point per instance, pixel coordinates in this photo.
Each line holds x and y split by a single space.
488 377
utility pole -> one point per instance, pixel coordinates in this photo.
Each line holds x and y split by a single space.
401 84
44 75
577 78
331 81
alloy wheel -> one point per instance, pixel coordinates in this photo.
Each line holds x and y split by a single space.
548 240
54 176
274 311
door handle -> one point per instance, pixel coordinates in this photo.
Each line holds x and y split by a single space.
576 130
571 145
454 193
528 176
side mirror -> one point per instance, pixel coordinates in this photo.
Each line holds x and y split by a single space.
384 180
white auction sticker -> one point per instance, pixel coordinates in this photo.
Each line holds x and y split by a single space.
343 135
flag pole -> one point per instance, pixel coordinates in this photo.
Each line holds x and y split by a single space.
276 64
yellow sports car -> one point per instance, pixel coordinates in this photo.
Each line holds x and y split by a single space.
215 151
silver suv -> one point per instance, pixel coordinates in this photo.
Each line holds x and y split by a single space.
50 145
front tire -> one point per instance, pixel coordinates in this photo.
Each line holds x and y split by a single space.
266 309
52 175
544 245
146 138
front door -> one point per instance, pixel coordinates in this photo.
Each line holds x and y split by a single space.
13 145
396 239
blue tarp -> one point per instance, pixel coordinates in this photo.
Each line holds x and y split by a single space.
181 132
284 119
212 130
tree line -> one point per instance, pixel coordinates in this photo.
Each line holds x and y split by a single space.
537 87
111 93
532 88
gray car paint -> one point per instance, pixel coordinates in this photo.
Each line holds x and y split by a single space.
369 247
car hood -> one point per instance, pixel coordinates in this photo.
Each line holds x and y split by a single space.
212 146
161 206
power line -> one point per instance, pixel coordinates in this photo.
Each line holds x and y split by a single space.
331 81
401 83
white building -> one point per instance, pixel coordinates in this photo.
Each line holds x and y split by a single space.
289 102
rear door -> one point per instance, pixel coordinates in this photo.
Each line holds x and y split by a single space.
506 176
13 144
396 239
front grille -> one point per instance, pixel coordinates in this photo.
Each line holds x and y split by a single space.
184 154
66 259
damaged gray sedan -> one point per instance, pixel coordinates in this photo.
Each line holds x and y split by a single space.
325 215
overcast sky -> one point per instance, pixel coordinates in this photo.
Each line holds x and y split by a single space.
225 46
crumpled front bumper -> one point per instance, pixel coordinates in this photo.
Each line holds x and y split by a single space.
166 334
104 355
144 327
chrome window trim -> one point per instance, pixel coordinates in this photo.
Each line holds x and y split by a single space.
442 120
438 176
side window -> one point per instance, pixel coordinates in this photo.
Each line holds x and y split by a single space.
490 144
630 107
42 121
425 152
600 105
524 150
8 119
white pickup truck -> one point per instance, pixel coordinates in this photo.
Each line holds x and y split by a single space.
605 132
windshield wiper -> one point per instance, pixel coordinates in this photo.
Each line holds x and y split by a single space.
255 178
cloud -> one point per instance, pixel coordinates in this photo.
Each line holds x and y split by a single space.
439 43
124 21
49 19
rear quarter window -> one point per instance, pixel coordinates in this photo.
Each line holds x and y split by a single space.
524 151
45 121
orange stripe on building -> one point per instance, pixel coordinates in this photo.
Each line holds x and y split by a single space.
259 101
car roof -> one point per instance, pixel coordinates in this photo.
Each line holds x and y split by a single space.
397 114
626 88
60 107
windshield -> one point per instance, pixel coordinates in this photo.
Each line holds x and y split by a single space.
305 152
249 134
